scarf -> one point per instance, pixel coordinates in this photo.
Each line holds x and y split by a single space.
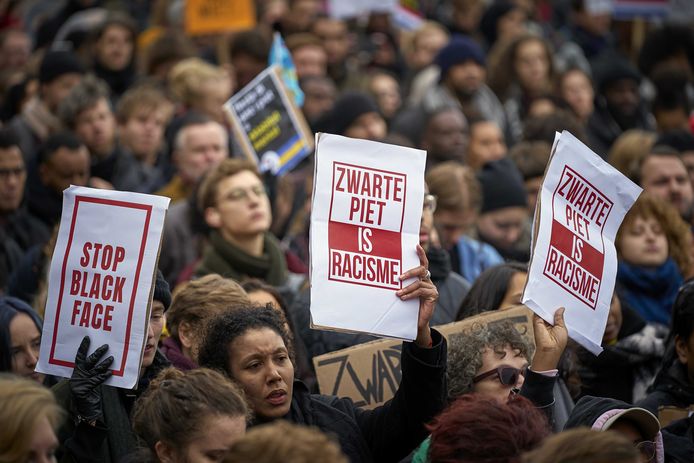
41 120
651 292
229 261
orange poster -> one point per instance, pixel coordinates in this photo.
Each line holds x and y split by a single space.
214 16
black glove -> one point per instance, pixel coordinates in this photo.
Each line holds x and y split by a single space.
86 379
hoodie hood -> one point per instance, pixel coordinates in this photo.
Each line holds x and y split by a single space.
595 412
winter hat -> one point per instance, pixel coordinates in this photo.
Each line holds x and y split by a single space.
347 109
459 50
502 186
162 293
611 68
57 63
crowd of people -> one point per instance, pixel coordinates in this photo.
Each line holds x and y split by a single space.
116 95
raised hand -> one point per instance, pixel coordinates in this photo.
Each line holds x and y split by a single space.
550 341
426 291
86 379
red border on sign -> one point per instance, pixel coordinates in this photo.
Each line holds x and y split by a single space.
402 219
107 202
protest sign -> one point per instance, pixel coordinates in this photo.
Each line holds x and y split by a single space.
215 16
367 205
268 125
625 10
574 263
369 373
101 280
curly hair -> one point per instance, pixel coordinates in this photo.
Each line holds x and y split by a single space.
677 232
196 394
465 352
225 328
477 428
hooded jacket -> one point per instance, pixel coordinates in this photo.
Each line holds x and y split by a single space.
595 411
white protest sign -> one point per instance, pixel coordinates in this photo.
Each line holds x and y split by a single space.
101 278
367 205
581 204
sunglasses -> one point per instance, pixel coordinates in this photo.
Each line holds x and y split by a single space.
508 376
647 449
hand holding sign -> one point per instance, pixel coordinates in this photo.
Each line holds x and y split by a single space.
86 379
550 341
427 293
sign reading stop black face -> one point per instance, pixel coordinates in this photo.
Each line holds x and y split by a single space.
576 254
367 209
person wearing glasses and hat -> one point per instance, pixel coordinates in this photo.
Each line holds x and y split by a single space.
637 424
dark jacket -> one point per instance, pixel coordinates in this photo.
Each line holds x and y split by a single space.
122 170
452 290
678 438
25 229
112 438
671 387
391 431
603 129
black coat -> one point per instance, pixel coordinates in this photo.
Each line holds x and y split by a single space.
670 388
391 431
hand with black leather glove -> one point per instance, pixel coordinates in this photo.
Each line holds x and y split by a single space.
86 379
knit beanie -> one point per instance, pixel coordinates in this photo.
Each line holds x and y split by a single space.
502 186
459 50
613 67
57 63
347 109
162 293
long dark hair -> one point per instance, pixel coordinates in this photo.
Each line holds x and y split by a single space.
489 289
10 307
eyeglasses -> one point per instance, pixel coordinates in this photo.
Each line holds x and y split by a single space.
430 203
508 376
16 172
241 194
647 449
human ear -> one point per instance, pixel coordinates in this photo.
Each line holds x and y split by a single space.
165 454
213 217
185 334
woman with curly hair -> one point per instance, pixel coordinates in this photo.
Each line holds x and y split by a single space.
653 247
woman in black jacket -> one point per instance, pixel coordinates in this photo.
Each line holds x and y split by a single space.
251 346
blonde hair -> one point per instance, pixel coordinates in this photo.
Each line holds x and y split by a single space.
584 445
22 404
455 186
197 301
677 232
629 149
286 442
187 78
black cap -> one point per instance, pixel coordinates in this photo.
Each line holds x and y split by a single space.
502 186
162 293
57 63
347 109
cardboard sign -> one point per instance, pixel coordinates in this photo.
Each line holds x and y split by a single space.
367 204
101 280
215 16
268 125
574 263
370 374
669 413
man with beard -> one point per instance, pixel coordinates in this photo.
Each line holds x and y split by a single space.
619 106
461 83
445 136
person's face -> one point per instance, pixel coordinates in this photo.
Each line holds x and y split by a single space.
452 224
446 137
114 49
466 78
143 132
319 97
666 177
503 227
623 96
426 47
514 292
310 60
203 147
486 144
16 50
44 442
242 207
685 354
334 35
25 341
55 91
214 93
96 127
511 24
12 179
644 243
246 68
386 91
614 321
632 433
532 188
369 126
531 65
66 167
260 364
491 386
219 433
157 319
577 90
426 224
688 160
